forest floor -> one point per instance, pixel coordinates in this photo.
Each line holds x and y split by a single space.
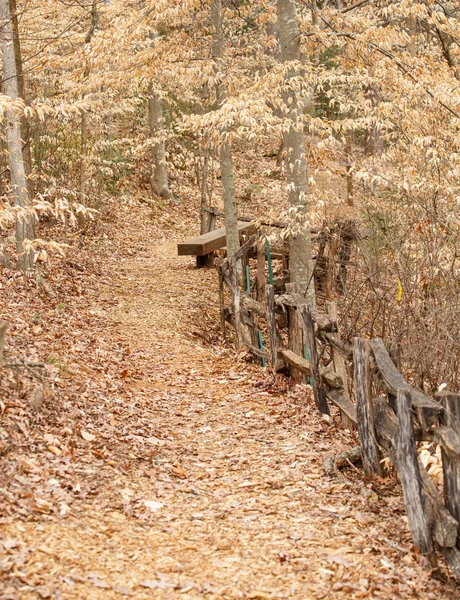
162 464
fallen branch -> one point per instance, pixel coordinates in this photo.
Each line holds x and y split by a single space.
332 463
24 364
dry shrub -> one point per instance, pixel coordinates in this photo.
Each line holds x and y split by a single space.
404 287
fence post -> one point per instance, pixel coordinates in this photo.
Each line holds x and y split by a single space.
318 389
411 479
338 360
451 418
270 299
261 279
364 409
236 294
222 301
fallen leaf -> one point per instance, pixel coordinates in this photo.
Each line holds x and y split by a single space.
89 437
155 441
153 505
363 519
100 583
338 559
9 543
179 471
43 592
124 591
158 584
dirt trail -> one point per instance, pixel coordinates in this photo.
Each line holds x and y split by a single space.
222 493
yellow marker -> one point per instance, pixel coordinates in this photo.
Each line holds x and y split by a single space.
400 291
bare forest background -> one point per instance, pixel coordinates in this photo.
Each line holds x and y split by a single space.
120 102
126 126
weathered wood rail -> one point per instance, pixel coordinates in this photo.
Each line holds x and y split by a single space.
362 382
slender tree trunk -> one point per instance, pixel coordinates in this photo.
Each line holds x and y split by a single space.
83 146
202 179
301 263
159 176
25 229
81 217
25 128
225 156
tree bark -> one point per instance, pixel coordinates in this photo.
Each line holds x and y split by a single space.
159 176
81 217
301 262
25 227
225 155
25 130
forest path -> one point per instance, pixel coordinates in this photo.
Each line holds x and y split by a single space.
214 487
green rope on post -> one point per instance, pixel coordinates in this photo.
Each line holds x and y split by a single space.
248 280
261 346
269 262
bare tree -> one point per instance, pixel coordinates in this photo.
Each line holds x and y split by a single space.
159 175
225 156
301 263
12 87
94 25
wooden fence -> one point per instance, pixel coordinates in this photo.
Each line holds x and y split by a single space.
280 328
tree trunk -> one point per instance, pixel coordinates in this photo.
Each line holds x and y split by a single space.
202 180
25 130
301 263
228 186
25 230
81 217
225 156
159 176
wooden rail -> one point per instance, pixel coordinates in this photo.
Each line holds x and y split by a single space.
391 416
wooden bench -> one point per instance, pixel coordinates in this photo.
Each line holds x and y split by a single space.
203 246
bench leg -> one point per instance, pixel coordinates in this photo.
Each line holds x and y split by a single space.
205 261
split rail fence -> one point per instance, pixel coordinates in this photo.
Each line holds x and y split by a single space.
362 380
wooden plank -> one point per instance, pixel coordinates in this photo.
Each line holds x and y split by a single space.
427 410
208 242
386 425
253 306
258 351
270 301
291 299
364 409
340 366
450 459
261 278
411 481
317 384
345 405
243 252
442 524
332 379
344 349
